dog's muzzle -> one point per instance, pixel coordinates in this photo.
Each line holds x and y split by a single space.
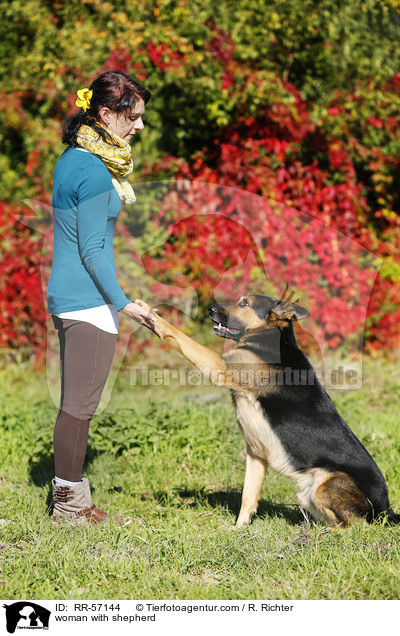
222 325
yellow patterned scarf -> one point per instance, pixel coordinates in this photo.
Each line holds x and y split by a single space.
117 158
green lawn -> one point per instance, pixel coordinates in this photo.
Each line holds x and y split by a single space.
171 462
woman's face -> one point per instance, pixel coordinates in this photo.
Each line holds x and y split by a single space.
125 125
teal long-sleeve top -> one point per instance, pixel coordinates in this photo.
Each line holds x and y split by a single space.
85 210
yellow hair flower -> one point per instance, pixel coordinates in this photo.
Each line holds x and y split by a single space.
84 97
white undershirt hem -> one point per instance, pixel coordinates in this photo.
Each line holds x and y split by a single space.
104 317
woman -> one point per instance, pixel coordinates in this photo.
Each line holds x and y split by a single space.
84 296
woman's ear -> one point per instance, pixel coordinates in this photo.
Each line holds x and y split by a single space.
104 115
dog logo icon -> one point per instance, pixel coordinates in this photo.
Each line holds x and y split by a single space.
26 615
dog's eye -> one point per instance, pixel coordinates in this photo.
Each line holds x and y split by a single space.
244 303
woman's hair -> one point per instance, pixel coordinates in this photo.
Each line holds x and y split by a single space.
114 89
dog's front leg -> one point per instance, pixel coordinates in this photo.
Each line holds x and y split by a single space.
208 362
253 481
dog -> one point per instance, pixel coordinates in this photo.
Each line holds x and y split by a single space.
288 420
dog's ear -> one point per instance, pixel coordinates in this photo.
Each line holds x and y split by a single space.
286 310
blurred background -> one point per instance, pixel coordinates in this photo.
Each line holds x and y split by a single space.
270 155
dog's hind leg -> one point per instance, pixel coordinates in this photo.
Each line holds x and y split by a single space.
253 481
340 500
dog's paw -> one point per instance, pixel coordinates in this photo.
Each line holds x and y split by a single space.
243 521
241 525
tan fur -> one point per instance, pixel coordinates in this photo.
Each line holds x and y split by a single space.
254 479
260 438
247 316
242 356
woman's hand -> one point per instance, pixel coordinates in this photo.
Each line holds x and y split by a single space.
141 312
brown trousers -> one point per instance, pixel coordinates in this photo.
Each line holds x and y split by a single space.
86 354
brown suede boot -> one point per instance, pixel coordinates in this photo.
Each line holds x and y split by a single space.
74 504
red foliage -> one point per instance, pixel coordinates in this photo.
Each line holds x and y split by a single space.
201 249
118 60
220 45
219 253
163 57
383 316
22 315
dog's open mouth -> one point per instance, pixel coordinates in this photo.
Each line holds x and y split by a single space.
226 332
225 325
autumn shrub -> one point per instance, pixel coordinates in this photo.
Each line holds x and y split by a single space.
295 102
290 160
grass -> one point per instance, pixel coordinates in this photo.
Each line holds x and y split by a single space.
171 461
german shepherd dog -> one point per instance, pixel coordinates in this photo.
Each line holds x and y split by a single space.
288 424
